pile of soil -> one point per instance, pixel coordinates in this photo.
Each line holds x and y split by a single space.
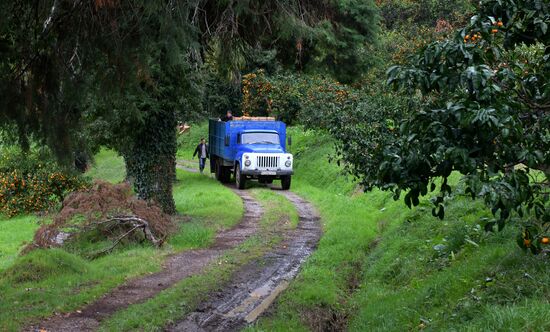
100 213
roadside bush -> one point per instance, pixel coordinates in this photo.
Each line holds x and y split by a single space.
403 13
35 191
32 182
13 158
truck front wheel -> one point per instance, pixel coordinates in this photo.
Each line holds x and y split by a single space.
240 179
285 182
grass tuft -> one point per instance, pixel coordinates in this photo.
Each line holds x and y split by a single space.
42 264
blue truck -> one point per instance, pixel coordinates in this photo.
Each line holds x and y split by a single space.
252 148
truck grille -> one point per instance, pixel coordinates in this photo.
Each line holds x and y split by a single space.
267 161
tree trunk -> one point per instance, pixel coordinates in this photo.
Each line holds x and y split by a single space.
151 160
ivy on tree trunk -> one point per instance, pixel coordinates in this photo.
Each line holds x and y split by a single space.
150 160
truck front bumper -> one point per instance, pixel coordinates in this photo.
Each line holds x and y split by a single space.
256 173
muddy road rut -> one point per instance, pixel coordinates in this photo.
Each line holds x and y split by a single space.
256 285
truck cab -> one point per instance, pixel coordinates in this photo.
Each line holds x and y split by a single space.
250 148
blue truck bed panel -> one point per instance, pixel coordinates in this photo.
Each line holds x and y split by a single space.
220 131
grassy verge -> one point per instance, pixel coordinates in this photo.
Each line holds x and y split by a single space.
48 281
174 303
201 197
14 233
380 266
351 222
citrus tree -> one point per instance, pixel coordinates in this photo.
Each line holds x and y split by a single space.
482 109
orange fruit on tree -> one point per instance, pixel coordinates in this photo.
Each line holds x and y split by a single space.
545 240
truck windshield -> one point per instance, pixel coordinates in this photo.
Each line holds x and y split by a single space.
260 138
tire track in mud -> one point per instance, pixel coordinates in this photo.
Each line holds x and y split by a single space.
175 268
255 286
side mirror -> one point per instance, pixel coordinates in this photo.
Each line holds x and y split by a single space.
226 140
289 140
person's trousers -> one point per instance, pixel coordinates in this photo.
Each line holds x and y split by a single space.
202 163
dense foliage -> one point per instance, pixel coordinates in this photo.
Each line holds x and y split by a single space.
484 112
27 193
32 182
304 99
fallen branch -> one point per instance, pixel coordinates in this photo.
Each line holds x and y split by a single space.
102 252
136 223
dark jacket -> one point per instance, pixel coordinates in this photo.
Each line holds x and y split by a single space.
225 118
198 151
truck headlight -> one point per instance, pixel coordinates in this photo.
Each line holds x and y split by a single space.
288 163
247 163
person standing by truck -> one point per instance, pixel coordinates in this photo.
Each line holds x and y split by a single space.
202 151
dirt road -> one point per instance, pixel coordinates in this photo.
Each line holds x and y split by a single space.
255 286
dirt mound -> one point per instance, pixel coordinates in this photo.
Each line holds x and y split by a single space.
104 213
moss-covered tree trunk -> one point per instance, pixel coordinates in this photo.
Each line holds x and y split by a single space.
150 161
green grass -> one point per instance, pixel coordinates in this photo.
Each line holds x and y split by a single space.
204 198
54 280
350 223
14 233
277 209
108 166
48 281
174 303
383 267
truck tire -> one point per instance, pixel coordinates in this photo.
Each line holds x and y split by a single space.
285 182
223 174
226 174
240 180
